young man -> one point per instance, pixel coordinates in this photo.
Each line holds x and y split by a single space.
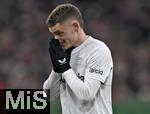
82 66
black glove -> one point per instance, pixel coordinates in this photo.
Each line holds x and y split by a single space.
68 51
60 59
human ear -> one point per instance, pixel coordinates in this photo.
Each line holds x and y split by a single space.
75 25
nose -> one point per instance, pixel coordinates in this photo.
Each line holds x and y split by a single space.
56 37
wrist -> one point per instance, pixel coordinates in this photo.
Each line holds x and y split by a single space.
65 68
55 71
67 72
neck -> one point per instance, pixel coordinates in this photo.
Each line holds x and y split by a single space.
81 38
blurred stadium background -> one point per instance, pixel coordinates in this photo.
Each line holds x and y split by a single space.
124 25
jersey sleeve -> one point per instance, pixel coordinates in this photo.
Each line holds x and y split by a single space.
84 90
99 64
52 85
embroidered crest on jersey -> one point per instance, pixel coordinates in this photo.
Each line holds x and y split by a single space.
78 60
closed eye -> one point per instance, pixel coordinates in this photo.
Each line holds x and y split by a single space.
58 33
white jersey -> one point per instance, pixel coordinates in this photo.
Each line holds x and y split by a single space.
86 88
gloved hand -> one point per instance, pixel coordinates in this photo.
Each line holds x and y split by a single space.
60 59
68 51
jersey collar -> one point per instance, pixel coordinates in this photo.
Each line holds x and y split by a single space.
75 50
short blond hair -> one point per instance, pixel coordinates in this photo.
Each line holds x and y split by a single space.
63 12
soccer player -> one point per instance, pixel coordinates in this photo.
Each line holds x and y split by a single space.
82 66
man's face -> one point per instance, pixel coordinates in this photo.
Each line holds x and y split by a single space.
65 33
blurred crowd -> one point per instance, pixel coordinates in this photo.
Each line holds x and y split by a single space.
122 24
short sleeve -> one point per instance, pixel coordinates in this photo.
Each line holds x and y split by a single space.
99 64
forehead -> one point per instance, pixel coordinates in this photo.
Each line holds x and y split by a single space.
60 26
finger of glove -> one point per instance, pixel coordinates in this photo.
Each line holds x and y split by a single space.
53 58
56 52
51 48
52 52
57 48
68 51
57 45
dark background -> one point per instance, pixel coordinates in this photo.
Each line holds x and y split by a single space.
122 24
